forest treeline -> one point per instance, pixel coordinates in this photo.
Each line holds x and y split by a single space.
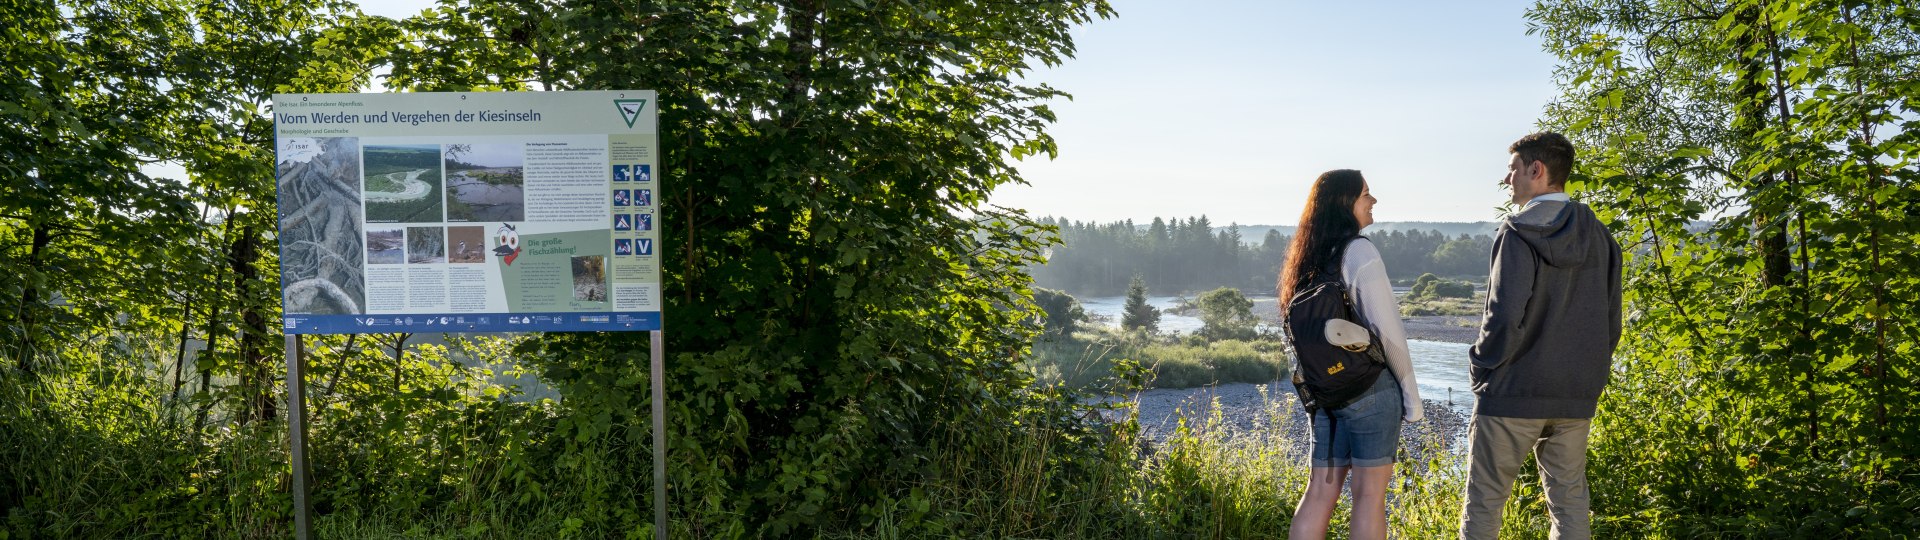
1192 255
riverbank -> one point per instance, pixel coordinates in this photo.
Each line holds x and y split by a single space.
1442 328
1240 408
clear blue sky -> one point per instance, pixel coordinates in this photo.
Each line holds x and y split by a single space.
1231 108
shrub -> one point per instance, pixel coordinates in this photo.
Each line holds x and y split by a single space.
1226 314
1063 311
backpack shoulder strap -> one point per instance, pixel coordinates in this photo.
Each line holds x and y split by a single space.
1338 265
1333 268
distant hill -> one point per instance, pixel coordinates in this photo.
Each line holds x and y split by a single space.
1446 228
1254 234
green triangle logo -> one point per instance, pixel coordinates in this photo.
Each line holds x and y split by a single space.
630 109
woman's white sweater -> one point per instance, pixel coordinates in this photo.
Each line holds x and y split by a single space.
1366 276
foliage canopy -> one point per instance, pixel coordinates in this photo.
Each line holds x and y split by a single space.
841 297
1790 126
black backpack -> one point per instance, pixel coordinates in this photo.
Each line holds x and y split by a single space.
1326 376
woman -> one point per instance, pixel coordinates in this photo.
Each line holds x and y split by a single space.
1368 429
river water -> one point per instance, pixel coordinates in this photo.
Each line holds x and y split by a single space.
1440 367
411 188
490 202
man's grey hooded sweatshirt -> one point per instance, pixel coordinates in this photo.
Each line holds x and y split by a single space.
1553 315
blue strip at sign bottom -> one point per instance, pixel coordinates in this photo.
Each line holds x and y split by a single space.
641 321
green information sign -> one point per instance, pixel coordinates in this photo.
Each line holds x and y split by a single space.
482 211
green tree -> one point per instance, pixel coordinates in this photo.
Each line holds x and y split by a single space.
1225 313
1423 286
120 282
1462 256
84 104
1429 286
1063 312
1784 126
1137 314
842 294
844 298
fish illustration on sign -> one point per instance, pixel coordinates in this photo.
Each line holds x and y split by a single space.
507 243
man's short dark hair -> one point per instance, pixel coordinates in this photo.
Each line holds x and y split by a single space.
1550 149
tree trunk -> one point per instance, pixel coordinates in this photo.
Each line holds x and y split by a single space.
1765 39
255 381
345 355
180 355
803 17
1878 369
29 302
1752 92
213 331
399 355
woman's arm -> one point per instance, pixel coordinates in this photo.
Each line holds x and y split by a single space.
1366 276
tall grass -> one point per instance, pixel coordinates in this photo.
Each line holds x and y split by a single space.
428 447
1208 480
100 447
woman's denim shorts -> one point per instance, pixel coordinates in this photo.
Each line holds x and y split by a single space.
1365 433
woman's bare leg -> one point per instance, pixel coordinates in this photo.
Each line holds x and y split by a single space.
1310 519
1370 502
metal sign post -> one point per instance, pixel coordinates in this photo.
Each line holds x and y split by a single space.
659 435
297 431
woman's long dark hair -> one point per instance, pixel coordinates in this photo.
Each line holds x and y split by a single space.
1325 226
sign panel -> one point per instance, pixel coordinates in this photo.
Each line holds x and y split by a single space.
462 212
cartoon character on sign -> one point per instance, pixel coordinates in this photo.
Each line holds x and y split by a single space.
506 243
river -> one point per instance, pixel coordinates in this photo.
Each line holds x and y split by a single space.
411 188
1440 367
489 201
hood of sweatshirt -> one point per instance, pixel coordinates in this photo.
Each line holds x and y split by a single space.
1552 229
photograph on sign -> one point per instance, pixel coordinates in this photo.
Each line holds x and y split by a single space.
497 211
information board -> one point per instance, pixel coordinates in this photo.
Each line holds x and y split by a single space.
458 212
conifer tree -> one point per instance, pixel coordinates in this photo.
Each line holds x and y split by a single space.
1138 314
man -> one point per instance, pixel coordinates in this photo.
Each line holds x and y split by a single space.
1546 343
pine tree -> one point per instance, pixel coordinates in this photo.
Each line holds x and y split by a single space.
1137 314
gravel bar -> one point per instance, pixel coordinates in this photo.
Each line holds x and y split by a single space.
1245 407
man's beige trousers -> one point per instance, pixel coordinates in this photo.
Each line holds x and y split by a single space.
1499 446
